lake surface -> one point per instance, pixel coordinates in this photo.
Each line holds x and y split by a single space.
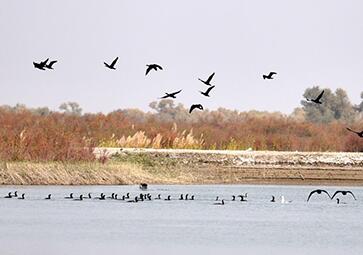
60 226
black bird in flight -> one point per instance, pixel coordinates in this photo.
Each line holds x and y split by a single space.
360 134
41 65
207 82
206 93
317 100
318 191
344 192
269 76
172 95
112 66
195 106
50 65
151 67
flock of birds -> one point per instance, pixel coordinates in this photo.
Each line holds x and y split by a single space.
148 197
44 65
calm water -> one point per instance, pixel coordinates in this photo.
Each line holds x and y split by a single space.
37 226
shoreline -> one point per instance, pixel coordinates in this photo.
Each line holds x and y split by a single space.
153 166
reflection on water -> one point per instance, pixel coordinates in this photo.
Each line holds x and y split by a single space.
59 226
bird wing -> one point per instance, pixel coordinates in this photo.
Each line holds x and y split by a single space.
351 194
320 96
177 92
148 69
166 96
209 89
311 193
192 108
272 73
44 62
352 130
336 192
157 66
114 62
326 192
52 63
210 78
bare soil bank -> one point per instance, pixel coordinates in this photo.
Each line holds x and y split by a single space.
159 166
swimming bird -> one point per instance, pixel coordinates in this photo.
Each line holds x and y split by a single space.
143 186
168 198
195 106
360 134
207 82
186 196
22 196
269 76
192 197
233 198
101 197
15 194
181 197
220 203
50 65
48 197
344 192
9 195
217 198
317 100
88 196
79 199
112 66
112 196
171 95
158 197
318 191
273 199
152 67
206 93
127 195
283 201
242 198
70 196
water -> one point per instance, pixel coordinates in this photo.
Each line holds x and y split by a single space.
37 226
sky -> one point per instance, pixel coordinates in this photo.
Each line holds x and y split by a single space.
308 43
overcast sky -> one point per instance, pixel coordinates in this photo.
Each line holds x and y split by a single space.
308 42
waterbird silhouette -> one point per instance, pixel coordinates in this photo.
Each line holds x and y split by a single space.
360 134
192 197
318 191
112 66
48 197
8 195
219 203
206 93
79 199
50 65
152 67
158 197
233 198
171 95
317 100
344 192
195 106
22 196
41 65
181 197
273 199
168 198
70 196
207 82
269 76
15 194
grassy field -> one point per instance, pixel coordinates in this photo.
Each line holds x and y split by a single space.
132 166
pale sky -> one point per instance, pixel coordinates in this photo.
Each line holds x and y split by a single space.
308 42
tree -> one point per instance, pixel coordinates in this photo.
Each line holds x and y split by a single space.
72 108
335 106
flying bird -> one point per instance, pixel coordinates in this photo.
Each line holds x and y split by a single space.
195 106
318 191
172 95
207 82
41 65
317 100
269 76
360 134
344 192
50 65
112 66
206 93
151 67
